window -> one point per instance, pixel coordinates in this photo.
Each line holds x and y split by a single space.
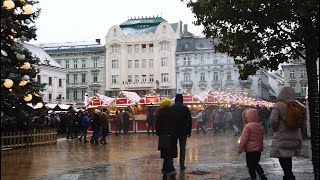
83 78
50 97
215 61
59 62
75 78
215 76
164 61
129 78
143 63
75 95
164 77
189 61
202 77
229 76
68 93
281 71
115 48
60 82
68 77
201 60
164 46
165 92
136 78
75 63
95 77
292 75
136 63
293 85
83 93
186 77
144 78
39 78
115 79
95 63
151 79
150 63
50 81
95 91
303 73
144 48
130 49
136 48
83 64
115 64
184 61
303 88
129 63
67 64
150 48
228 61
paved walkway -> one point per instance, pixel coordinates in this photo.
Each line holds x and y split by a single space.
135 157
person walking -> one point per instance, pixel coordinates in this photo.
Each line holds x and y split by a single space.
70 125
118 124
252 143
104 125
183 123
200 122
165 129
286 142
126 121
150 120
96 124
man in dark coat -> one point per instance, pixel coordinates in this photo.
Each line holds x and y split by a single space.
150 120
166 130
183 122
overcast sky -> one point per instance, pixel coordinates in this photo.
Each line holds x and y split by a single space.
87 20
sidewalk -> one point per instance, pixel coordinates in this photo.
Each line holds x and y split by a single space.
135 157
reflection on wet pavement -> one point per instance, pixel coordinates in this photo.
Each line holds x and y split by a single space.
136 157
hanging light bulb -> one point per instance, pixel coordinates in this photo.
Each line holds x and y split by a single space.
23 83
9 4
20 57
26 66
28 8
39 105
8 83
28 97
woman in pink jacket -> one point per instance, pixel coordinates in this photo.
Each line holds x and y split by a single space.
252 142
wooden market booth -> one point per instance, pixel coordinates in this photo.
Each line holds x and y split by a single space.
124 100
149 101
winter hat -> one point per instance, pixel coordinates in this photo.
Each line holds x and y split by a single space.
179 98
165 102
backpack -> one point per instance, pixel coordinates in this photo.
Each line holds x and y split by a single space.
296 116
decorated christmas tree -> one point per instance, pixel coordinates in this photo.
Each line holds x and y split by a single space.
20 99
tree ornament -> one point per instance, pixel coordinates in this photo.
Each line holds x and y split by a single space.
20 57
26 66
28 97
39 105
9 4
8 83
27 21
4 53
23 83
36 94
26 78
28 8
24 38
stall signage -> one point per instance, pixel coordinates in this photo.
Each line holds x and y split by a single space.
187 99
122 101
211 99
95 102
152 100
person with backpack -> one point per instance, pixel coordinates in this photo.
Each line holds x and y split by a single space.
285 120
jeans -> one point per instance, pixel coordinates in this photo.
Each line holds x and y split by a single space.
168 168
286 164
253 159
182 145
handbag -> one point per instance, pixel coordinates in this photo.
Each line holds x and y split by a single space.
164 142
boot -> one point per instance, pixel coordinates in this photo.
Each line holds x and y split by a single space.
263 177
164 177
173 177
182 166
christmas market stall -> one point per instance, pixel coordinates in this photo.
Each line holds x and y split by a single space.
125 100
150 102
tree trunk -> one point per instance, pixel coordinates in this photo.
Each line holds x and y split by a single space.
313 98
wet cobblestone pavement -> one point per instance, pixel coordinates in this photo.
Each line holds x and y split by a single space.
135 157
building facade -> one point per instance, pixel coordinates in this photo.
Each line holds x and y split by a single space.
140 56
295 75
52 74
85 65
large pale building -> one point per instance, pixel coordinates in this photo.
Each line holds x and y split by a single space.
85 65
140 56
52 74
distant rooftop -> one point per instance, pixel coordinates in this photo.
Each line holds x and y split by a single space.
143 25
194 44
72 46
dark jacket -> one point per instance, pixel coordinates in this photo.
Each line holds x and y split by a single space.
104 118
165 125
96 122
182 117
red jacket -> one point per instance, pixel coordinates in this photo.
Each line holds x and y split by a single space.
252 134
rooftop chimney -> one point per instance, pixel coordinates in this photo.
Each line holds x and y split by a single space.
98 41
185 28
